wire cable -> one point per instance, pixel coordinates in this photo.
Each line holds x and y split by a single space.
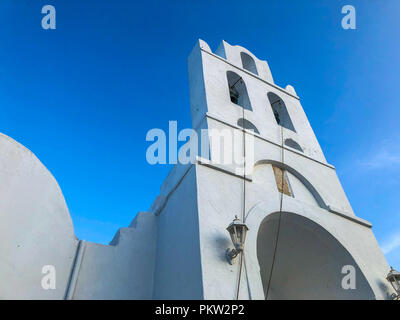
279 220
244 195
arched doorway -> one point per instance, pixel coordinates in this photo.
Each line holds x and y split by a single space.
308 262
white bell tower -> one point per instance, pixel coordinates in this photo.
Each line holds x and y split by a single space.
304 240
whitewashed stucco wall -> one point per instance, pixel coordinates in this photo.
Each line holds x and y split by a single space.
35 228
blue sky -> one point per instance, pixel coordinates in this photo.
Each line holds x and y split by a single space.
82 97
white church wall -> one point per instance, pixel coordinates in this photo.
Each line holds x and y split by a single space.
300 191
320 175
178 264
305 135
198 103
125 268
36 228
220 198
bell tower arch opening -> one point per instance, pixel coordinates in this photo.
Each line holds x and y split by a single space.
308 261
293 144
280 111
248 63
246 124
238 91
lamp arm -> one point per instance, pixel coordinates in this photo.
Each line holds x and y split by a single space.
231 254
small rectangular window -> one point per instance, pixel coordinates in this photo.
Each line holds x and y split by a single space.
281 181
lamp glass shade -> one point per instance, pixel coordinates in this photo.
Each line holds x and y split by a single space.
394 278
238 230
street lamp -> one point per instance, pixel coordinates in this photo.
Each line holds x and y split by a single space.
237 230
394 278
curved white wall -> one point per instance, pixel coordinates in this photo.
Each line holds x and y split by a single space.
35 228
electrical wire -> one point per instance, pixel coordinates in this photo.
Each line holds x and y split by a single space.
244 195
279 219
